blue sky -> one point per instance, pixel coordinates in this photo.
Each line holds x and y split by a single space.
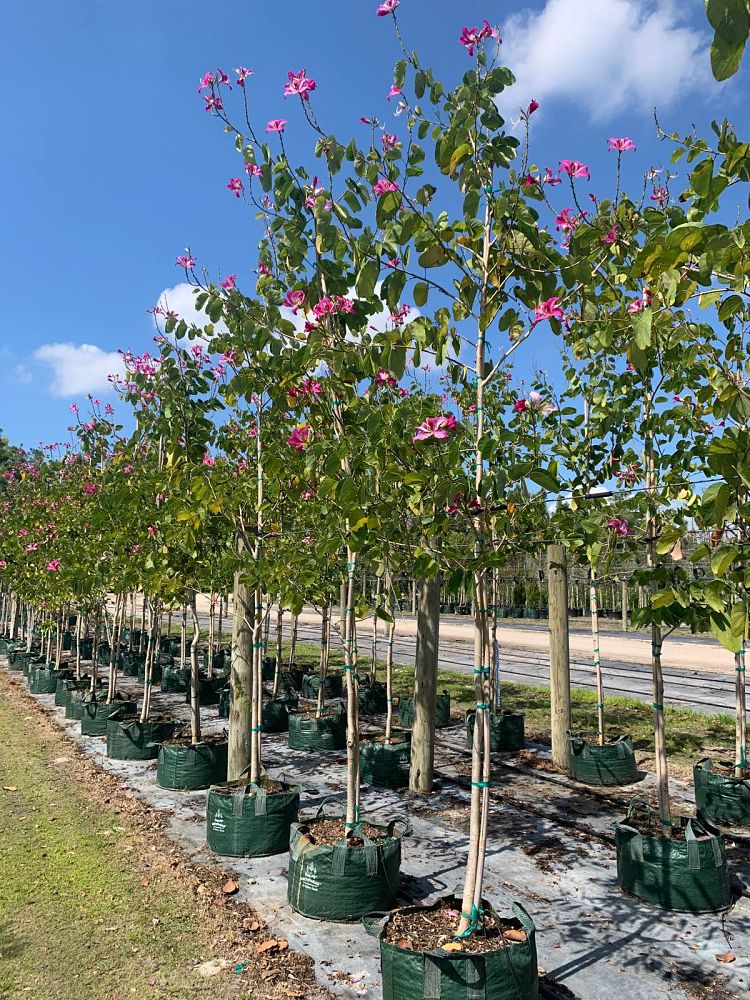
112 167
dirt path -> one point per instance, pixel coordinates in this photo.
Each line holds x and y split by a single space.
97 903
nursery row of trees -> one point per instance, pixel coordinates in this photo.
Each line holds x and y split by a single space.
357 409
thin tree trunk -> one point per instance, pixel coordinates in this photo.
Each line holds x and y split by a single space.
195 704
293 642
740 766
221 622
114 648
389 678
211 616
257 688
597 656
183 636
141 637
421 771
352 700
325 629
374 654
279 646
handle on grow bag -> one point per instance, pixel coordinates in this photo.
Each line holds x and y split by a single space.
694 860
324 803
524 917
640 804
374 923
408 829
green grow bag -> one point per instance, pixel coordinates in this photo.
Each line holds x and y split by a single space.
721 799
3 647
442 711
334 686
245 821
192 767
509 973
156 670
292 678
31 663
17 659
79 696
342 883
506 731
326 733
43 680
386 765
373 699
208 690
96 714
132 661
67 642
175 680
688 875
225 696
275 718
612 764
65 687
134 740
268 668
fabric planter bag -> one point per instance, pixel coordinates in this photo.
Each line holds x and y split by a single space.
373 699
721 799
246 821
134 740
225 696
386 765
506 731
208 690
688 875
442 711
96 714
192 767
43 680
275 717
175 680
334 686
79 697
509 973
342 883
156 670
326 733
17 659
65 687
31 662
611 764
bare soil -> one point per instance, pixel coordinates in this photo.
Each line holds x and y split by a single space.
432 929
330 831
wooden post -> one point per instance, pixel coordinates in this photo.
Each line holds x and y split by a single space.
559 653
425 687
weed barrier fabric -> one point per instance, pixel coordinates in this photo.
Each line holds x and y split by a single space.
245 821
342 883
134 740
334 686
608 765
689 876
720 798
442 711
96 714
509 973
373 699
326 733
506 731
192 767
385 765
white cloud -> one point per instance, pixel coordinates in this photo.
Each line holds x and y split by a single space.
78 369
22 375
605 56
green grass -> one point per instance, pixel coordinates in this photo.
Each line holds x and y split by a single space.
689 733
75 920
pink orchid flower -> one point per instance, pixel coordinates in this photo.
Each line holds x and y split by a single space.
185 261
620 145
89 489
299 437
521 406
435 428
549 309
276 125
229 282
549 177
53 565
253 170
533 106
620 526
384 186
394 92
613 235
295 299
384 377
236 186
388 7
206 82
389 141
575 169
242 74
299 85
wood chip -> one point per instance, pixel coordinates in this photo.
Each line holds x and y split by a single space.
453 946
230 887
726 957
512 934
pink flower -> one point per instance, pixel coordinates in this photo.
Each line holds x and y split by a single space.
136 549
521 406
208 459
206 82
393 262
53 565
384 186
638 305
661 196
127 470
566 221
185 261
389 141
153 530
400 316
242 74
435 428
620 526
343 304
549 177
613 235
276 125
620 145
299 437
213 103
575 169
3 564
236 186
549 309
32 547
325 307
23 531
294 300
384 377
530 180
534 106
253 170
387 7
299 85
89 489
308 539
229 282
311 386
470 37
394 92
221 77
109 410
308 495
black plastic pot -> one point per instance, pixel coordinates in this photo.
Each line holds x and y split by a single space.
688 875
134 740
373 698
343 883
721 799
191 767
386 765
508 973
506 731
334 686
442 712
326 733
246 821
611 764
96 713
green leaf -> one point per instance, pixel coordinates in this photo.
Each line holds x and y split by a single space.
663 598
420 82
367 279
420 293
642 328
545 479
433 256
730 20
723 558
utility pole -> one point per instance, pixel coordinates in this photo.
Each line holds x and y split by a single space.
559 654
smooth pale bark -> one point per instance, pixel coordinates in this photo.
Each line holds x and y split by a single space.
374 653
257 688
625 609
141 637
597 657
352 702
221 622
195 702
557 560
421 771
211 624
389 679
114 649
325 632
79 639
740 767
183 636
293 642
279 645
241 680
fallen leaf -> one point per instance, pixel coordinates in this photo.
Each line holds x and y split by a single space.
514 935
291 991
725 957
230 887
250 925
271 945
145 882
10 788
453 946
